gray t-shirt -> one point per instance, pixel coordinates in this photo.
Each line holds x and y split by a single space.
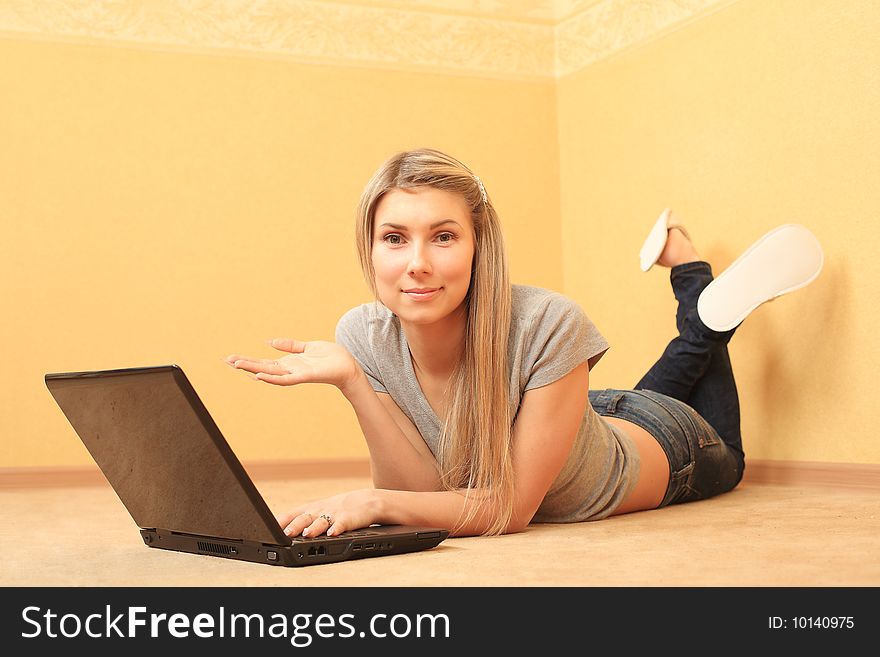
549 336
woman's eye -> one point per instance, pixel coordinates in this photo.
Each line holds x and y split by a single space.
392 238
445 237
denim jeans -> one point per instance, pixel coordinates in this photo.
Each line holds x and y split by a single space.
688 400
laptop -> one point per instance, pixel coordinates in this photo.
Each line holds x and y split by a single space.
184 487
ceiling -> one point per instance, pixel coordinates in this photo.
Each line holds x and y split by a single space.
519 39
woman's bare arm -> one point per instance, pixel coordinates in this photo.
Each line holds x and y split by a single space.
399 458
544 432
545 429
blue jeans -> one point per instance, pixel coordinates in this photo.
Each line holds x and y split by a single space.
688 400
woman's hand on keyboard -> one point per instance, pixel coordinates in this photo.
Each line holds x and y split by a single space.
333 515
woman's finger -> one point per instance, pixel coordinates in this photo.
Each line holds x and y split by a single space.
298 523
288 344
284 519
261 361
278 379
260 366
320 525
233 358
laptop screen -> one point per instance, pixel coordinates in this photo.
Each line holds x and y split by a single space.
164 456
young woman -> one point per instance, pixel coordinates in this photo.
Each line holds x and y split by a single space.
473 394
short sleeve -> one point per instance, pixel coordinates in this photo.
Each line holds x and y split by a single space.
560 337
353 333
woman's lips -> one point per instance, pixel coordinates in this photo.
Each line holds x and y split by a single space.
422 294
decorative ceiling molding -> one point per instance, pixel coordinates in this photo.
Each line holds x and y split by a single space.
549 12
611 26
521 39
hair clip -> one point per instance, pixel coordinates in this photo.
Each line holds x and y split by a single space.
482 190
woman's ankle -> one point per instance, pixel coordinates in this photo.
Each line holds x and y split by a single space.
679 250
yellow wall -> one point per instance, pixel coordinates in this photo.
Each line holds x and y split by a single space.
173 207
760 114
164 207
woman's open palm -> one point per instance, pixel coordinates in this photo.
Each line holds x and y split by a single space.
306 362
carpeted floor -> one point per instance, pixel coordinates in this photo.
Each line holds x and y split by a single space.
758 535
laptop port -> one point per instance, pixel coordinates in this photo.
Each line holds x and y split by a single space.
369 546
356 547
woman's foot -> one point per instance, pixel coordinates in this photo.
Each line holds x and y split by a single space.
784 260
678 250
668 244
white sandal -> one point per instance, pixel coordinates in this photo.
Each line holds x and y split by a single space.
784 260
656 240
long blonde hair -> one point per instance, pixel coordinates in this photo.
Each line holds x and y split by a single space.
474 449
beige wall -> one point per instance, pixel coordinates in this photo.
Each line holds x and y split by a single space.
164 207
173 207
760 114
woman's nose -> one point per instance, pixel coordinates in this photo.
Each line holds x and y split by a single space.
419 263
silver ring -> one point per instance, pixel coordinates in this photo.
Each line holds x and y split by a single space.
327 518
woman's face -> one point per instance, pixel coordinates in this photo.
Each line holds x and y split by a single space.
423 251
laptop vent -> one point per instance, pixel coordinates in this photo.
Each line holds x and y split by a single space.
216 548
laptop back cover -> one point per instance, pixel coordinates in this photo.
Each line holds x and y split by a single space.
163 454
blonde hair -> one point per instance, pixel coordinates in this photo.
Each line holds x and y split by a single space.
474 448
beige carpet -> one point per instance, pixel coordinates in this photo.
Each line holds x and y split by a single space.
758 535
